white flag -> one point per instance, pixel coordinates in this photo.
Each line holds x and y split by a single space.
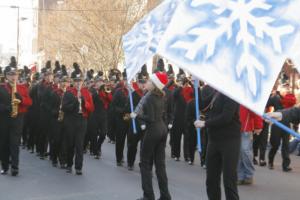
236 46
141 42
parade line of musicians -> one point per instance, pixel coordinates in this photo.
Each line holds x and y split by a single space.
62 116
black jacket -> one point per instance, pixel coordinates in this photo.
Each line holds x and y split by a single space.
120 102
179 107
291 115
153 114
222 119
5 102
98 103
190 116
44 93
275 101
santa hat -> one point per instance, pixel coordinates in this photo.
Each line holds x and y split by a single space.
159 79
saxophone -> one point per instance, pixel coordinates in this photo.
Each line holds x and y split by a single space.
14 101
61 114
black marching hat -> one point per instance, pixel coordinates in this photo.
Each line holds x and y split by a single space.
10 70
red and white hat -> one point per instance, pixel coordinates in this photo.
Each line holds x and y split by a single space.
159 79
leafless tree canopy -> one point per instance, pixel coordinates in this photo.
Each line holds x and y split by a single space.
89 31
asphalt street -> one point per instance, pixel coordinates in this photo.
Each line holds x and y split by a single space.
103 180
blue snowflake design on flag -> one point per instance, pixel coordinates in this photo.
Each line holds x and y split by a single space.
141 42
243 26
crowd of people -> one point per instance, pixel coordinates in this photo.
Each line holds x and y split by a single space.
62 116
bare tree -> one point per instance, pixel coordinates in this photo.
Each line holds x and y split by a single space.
90 32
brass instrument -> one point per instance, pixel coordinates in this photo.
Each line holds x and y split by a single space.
61 114
107 89
14 101
126 117
79 99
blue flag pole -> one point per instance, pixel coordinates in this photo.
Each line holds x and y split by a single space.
132 110
282 126
196 84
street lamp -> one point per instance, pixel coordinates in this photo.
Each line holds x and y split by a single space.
18 29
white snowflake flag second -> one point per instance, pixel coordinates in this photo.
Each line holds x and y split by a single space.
236 46
141 42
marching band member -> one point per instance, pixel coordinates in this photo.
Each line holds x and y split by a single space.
134 138
119 103
44 93
77 105
14 100
57 137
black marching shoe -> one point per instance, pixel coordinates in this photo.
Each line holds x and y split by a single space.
271 166
4 172
14 172
287 169
130 168
78 172
120 164
255 161
262 163
69 170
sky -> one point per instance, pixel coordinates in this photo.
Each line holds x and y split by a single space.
8 27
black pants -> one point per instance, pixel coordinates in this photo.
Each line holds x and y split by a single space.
44 133
121 132
55 140
191 137
91 128
75 129
25 130
277 136
98 136
132 145
33 129
153 150
177 132
222 156
10 137
111 129
260 142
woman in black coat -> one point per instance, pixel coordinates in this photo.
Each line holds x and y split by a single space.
224 140
291 115
154 141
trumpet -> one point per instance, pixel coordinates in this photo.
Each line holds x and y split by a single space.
14 101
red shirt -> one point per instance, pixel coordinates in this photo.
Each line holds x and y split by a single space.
288 101
88 106
106 98
26 100
187 93
249 120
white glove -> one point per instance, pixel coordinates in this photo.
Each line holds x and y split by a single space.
143 127
170 126
274 115
133 115
199 124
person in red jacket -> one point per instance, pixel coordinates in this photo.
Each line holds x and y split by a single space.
11 125
77 105
250 124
